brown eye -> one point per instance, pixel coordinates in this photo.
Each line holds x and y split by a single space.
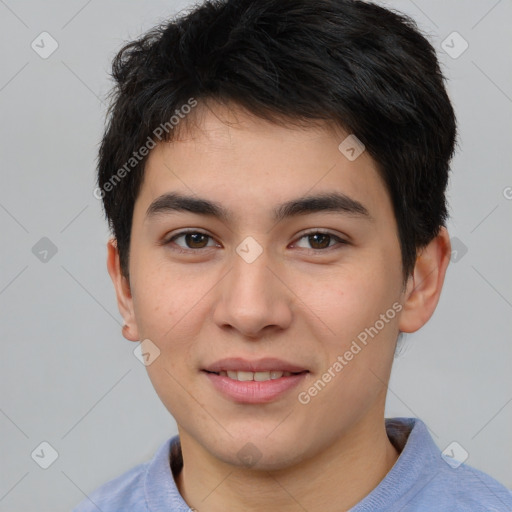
191 240
196 240
318 240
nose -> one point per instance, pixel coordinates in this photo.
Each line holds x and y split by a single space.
252 299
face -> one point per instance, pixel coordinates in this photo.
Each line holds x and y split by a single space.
315 292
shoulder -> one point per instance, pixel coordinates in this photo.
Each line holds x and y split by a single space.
441 482
151 480
424 479
126 492
469 489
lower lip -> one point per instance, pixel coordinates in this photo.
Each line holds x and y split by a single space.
254 392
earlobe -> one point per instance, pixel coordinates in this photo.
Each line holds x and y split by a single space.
123 292
426 282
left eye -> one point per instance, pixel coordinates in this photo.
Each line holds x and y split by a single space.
319 240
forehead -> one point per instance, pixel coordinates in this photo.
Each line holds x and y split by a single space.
212 126
252 165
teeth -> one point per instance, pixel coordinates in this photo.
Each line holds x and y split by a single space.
257 376
261 376
243 376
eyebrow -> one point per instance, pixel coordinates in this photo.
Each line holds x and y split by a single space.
330 202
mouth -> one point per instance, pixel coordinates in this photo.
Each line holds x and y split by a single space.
254 382
245 376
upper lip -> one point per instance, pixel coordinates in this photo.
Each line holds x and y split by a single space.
258 365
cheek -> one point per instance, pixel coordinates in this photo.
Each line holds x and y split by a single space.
353 298
358 356
356 314
166 298
168 306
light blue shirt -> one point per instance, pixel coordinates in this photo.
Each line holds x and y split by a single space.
422 479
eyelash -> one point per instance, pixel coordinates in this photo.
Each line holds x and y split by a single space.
180 250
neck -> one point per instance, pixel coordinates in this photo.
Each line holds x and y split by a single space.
331 481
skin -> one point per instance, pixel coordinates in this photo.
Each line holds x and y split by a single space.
297 301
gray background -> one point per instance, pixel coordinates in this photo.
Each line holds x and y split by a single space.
68 377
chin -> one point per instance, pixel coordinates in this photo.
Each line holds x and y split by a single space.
260 452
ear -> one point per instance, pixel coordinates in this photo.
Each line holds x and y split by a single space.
123 292
426 282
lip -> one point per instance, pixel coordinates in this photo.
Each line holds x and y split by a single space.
260 365
254 392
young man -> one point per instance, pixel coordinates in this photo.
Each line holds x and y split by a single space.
274 175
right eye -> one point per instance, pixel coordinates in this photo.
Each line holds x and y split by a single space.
191 241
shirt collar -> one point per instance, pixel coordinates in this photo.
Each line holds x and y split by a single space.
418 455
